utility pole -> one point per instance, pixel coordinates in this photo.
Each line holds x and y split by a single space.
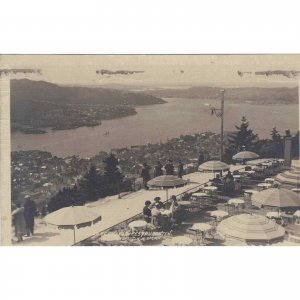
222 124
219 113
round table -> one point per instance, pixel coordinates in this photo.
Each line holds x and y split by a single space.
140 224
264 185
178 241
184 203
236 201
251 192
269 180
210 188
218 214
202 227
166 212
199 194
248 194
273 214
110 238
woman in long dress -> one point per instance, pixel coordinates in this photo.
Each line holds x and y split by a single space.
19 222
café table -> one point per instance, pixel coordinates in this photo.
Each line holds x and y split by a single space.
269 180
296 190
264 185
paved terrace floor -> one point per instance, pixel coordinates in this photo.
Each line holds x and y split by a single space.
113 211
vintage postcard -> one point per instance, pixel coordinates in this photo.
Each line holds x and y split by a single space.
149 150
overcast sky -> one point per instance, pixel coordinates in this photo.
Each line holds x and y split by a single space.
159 70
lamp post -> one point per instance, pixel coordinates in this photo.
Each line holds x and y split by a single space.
219 113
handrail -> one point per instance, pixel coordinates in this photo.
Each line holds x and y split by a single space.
141 214
136 216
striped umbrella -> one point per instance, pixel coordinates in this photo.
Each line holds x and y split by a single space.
213 166
276 197
248 227
291 177
245 155
166 181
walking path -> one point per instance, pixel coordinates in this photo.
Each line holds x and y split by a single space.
113 211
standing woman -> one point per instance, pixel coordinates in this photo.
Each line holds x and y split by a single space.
180 169
19 222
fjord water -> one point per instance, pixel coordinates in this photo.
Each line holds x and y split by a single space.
155 123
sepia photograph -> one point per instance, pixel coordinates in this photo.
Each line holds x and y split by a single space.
152 150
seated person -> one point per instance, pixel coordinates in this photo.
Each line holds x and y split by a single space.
156 215
147 211
217 180
174 204
158 202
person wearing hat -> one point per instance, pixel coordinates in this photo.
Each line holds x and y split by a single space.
158 203
169 167
180 169
158 169
145 175
147 211
29 214
19 221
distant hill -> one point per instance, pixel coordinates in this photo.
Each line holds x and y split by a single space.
43 91
39 104
257 95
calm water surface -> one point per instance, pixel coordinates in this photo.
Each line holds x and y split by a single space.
156 123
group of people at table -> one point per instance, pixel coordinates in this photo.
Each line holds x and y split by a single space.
158 215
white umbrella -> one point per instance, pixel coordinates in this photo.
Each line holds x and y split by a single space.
297 214
245 155
250 227
166 181
213 166
276 197
72 217
291 177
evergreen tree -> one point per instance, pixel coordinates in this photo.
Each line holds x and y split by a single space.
277 144
113 176
276 137
90 185
243 137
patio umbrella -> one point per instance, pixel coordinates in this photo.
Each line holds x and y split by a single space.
250 227
245 155
213 166
291 177
276 197
166 181
73 217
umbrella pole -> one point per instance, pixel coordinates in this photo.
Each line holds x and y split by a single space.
74 232
167 196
